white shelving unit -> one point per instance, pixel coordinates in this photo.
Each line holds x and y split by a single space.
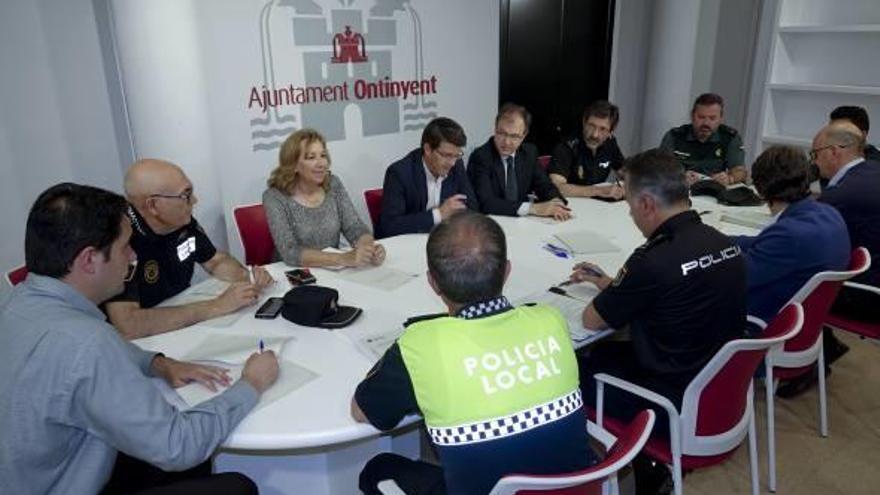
823 54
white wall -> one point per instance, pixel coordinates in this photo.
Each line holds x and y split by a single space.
56 122
666 52
188 67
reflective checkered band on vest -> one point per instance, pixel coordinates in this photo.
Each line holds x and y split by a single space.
484 308
509 425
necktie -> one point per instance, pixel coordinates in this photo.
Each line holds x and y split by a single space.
510 189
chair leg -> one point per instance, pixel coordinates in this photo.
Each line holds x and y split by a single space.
771 427
753 453
823 405
676 476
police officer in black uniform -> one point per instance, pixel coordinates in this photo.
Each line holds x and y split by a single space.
580 163
707 148
682 294
168 243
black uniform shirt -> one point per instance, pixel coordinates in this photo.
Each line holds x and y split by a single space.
165 262
683 295
722 151
573 160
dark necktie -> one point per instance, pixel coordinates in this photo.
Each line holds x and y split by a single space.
510 189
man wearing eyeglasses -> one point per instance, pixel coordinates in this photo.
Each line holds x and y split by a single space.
506 174
168 243
838 152
428 185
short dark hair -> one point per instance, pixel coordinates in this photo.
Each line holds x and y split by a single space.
443 129
467 256
707 99
602 109
782 173
64 220
513 109
857 115
658 173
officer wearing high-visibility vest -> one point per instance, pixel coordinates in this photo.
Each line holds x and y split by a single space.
706 148
496 384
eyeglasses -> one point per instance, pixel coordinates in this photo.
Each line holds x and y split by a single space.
814 153
185 196
510 135
449 156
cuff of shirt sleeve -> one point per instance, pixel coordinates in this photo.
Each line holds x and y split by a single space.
523 209
435 212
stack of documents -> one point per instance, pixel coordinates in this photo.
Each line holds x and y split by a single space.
752 219
571 308
586 242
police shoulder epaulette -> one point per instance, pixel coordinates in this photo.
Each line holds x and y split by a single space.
727 130
416 319
654 241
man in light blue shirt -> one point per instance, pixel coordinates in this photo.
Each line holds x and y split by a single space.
73 393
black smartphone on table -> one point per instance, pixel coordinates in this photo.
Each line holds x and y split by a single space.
270 309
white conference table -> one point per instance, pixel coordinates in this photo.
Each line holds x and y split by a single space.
306 441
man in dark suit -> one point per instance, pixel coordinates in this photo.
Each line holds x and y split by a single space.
807 237
505 171
427 185
838 152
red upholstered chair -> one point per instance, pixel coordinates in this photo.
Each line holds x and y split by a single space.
373 199
802 352
544 161
16 275
253 230
621 451
587 481
860 328
717 412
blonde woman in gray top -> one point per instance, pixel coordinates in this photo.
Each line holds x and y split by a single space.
308 208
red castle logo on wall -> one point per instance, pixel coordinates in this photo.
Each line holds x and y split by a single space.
346 45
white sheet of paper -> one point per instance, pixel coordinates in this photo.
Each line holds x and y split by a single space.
375 345
572 310
379 277
205 291
233 349
753 219
291 376
586 242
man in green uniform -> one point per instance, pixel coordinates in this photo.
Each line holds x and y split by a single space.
706 148
496 384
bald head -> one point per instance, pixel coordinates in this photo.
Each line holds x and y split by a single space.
835 145
467 258
152 176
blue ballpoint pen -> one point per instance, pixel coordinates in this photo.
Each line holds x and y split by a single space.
261 345
556 250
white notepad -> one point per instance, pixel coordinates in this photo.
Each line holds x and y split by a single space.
572 310
232 349
291 376
753 219
586 242
379 277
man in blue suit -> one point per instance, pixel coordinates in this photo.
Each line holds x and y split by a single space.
427 185
806 237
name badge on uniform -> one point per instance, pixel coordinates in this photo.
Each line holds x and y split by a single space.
186 248
604 164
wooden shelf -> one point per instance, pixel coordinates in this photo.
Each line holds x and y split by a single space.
840 28
827 88
787 140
